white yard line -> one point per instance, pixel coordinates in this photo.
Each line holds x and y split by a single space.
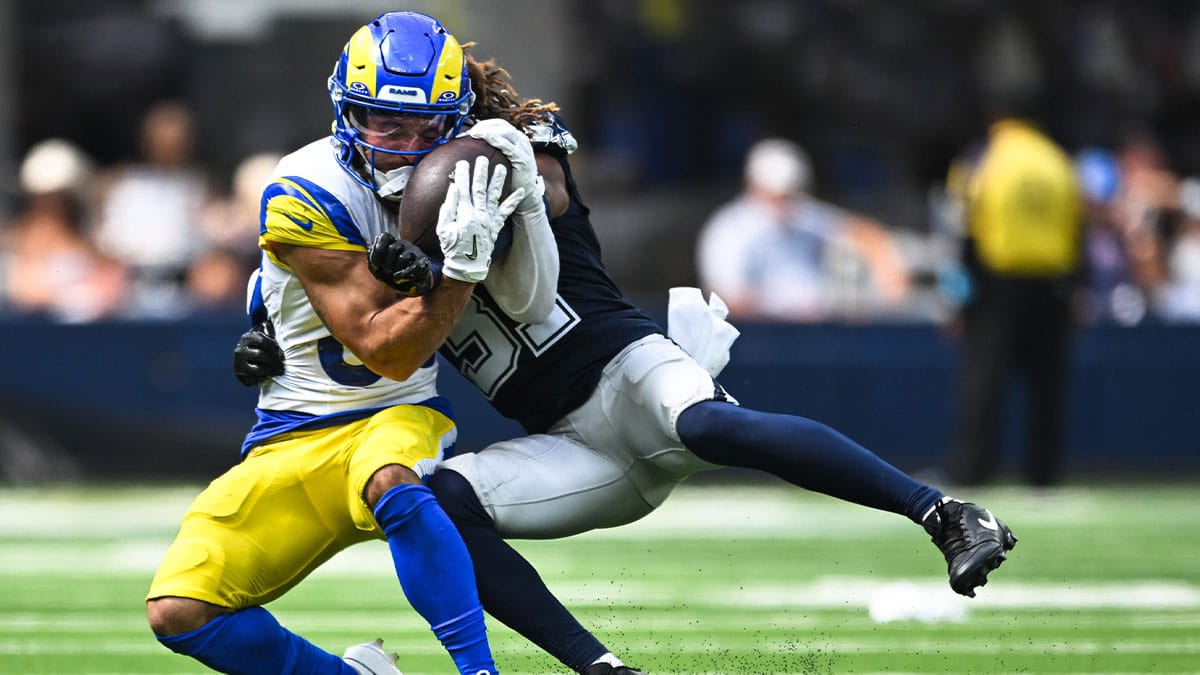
899 598
750 511
127 531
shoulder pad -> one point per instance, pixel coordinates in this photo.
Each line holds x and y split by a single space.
551 135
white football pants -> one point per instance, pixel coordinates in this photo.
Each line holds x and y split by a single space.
609 462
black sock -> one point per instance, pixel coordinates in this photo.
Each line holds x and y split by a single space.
509 587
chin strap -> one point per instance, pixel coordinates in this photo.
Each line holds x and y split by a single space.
390 184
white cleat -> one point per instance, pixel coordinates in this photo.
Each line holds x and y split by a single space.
370 659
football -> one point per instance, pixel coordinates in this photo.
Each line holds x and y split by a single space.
426 190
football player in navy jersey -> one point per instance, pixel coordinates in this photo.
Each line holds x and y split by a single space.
617 412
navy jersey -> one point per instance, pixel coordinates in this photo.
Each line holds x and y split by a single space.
537 373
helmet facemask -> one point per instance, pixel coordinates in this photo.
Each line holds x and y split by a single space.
400 78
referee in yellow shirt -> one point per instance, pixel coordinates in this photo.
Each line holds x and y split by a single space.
1024 218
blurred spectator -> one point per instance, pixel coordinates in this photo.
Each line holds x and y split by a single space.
151 213
776 252
216 280
1179 297
1110 294
231 223
50 267
1147 206
1160 214
1024 212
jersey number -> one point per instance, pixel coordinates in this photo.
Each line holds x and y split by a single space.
485 346
333 362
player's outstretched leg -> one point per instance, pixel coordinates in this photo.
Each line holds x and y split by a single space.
816 457
973 540
511 589
804 452
435 571
247 641
370 659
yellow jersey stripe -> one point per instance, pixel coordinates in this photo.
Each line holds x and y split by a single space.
301 213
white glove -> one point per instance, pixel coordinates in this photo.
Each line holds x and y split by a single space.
525 280
471 217
516 147
700 328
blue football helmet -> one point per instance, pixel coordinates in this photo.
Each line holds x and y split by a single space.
405 68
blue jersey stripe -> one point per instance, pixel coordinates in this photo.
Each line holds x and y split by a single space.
256 307
271 423
321 199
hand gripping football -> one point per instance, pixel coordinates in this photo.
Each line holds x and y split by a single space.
426 190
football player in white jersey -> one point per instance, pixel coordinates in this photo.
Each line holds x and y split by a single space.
345 438
617 412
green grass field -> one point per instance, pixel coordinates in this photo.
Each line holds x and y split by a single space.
723 579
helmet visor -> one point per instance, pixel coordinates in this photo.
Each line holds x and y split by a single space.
376 124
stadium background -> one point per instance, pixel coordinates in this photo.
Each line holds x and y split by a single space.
665 96
107 429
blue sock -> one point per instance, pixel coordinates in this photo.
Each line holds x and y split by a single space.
435 572
251 642
510 588
803 452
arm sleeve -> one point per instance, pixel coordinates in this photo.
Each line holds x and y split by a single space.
524 281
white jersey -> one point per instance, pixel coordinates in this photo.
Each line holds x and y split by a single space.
310 200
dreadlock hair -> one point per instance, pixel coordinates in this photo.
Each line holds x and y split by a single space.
496 97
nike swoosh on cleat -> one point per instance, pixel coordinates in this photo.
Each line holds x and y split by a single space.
990 523
474 248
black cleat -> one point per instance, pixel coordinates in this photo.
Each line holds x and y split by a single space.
973 540
608 669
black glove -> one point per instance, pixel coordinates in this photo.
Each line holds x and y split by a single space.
400 265
257 355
